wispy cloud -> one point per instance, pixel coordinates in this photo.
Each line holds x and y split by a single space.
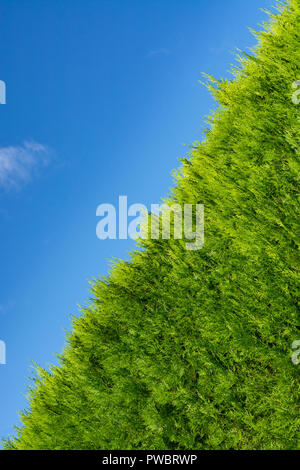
162 51
18 164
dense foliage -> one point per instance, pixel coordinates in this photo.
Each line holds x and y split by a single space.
186 349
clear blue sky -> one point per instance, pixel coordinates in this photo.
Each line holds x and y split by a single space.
106 95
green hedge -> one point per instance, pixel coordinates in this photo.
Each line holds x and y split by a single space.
186 349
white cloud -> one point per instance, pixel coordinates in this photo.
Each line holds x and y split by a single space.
20 163
162 51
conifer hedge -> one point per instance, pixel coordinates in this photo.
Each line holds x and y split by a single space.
186 349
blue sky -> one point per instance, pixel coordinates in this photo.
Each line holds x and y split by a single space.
102 99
